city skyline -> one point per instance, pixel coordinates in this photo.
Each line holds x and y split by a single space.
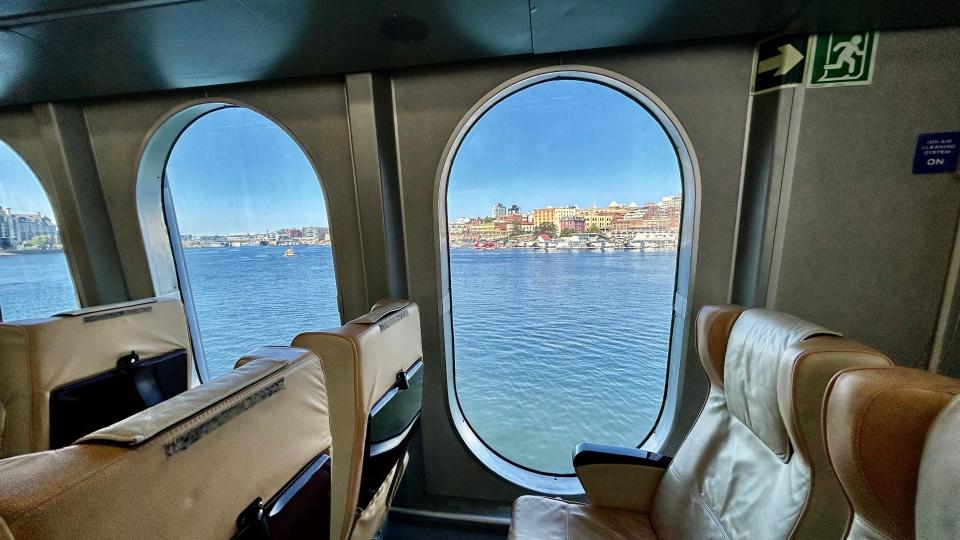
326 228
522 210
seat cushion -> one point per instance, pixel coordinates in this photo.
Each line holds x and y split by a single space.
543 518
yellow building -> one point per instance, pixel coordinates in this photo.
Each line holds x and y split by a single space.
597 220
544 215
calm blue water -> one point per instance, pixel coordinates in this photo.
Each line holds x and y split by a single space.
35 285
553 349
247 297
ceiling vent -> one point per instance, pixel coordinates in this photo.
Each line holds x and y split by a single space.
404 28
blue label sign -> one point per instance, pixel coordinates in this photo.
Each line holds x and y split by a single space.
936 153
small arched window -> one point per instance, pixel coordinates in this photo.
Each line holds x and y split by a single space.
564 204
248 220
34 278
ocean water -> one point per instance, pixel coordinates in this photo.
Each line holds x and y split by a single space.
557 348
35 285
551 349
246 297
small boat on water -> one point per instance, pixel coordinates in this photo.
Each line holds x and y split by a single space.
289 252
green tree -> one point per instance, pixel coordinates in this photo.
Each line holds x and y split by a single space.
566 232
593 229
41 241
546 228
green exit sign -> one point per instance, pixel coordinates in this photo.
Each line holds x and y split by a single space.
842 59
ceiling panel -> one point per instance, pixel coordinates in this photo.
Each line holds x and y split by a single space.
186 44
564 25
66 49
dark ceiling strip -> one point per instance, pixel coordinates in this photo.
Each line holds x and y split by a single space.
37 17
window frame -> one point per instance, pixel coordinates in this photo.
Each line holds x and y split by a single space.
659 436
155 206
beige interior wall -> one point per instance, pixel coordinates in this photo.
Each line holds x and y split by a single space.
866 244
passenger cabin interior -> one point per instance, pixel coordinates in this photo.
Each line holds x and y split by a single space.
454 269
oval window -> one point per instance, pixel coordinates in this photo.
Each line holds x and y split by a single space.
34 278
564 204
248 212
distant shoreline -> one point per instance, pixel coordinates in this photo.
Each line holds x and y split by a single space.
10 252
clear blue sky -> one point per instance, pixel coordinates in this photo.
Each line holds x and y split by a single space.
235 171
555 143
19 188
560 143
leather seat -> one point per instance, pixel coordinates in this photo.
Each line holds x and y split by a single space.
892 436
194 466
374 373
752 466
41 356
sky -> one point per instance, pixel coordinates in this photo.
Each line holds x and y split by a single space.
558 143
19 188
235 171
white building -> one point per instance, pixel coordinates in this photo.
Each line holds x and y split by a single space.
17 229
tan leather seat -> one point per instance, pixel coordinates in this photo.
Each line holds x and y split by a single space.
373 368
893 441
42 355
753 465
188 467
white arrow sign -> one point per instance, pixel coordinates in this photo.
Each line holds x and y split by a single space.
788 58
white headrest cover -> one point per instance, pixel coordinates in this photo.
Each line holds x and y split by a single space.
938 487
757 343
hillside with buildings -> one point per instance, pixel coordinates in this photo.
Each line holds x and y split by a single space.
653 226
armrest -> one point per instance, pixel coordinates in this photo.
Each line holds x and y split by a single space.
619 477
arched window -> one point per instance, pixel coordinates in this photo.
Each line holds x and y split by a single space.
254 254
34 278
564 205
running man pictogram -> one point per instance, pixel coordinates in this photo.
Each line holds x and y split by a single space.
848 50
843 59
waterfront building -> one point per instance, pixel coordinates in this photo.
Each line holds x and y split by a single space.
544 215
314 234
573 223
598 220
19 229
562 213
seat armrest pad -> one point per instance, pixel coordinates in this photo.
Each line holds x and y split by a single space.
617 477
598 454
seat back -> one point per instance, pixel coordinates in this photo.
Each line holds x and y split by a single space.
938 486
374 373
753 465
876 422
55 372
190 466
